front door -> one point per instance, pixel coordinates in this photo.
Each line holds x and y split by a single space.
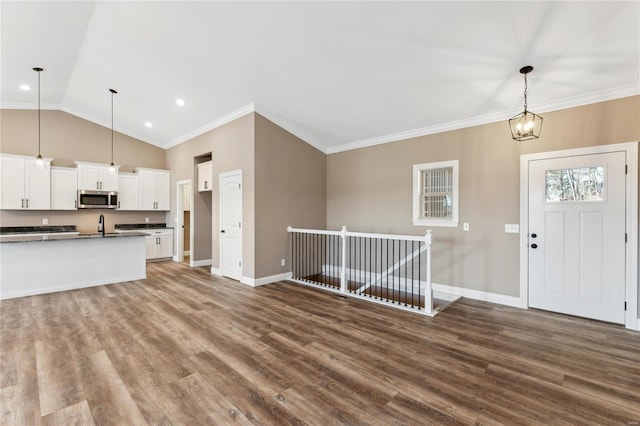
576 239
231 224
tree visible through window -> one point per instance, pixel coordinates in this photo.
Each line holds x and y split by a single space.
435 194
580 184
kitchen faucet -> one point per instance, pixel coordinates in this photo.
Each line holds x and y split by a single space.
101 224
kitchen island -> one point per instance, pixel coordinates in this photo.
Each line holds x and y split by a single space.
41 264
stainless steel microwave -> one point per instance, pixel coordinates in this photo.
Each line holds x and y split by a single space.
97 199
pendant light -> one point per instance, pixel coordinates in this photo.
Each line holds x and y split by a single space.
39 159
526 125
112 167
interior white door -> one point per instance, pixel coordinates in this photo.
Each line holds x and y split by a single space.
577 235
231 224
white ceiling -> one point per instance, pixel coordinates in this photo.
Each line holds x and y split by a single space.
337 74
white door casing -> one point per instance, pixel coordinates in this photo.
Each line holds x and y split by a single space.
231 224
577 248
589 270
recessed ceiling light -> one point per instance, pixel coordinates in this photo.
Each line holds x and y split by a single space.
148 124
25 87
180 102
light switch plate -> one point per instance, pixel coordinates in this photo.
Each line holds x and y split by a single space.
45 221
465 226
511 228
146 219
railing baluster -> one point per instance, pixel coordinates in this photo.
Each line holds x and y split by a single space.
382 268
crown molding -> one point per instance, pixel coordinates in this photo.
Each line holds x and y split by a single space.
107 125
589 98
227 118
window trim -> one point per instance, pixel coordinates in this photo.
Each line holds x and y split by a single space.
417 194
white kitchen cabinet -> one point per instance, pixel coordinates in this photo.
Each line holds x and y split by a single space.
128 191
205 176
96 177
64 188
154 189
159 243
23 185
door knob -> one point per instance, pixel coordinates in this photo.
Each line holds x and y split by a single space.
533 246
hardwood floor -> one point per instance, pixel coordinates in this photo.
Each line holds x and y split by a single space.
183 347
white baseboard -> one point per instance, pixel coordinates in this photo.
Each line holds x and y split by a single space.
485 296
216 271
204 262
256 282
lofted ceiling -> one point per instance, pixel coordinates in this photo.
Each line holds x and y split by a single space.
337 74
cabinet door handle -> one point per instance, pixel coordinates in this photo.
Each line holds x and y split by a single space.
22 204
27 203
205 184
97 185
75 203
118 204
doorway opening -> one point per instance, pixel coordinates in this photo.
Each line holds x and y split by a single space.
184 219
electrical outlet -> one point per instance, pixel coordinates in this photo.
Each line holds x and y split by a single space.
283 262
45 221
146 219
511 228
465 226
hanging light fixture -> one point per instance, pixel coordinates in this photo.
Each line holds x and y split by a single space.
39 159
526 125
112 167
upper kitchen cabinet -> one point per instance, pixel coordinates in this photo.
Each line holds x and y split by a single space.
23 184
128 196
154 192
96 177
205 175
64 188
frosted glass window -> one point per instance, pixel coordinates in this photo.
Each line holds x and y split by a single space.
437 193
580 184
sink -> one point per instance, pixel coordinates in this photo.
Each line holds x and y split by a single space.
99 235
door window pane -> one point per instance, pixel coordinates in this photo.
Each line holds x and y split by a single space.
580 184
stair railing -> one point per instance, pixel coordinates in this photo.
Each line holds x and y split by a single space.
394 270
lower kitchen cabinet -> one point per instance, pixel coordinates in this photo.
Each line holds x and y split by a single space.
159 243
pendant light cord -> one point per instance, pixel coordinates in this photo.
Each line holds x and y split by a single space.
525 92
113 92
39 112
112 127
39 157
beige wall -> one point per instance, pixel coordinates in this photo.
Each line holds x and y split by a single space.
369 189
231 146
66 139
180 160
290 191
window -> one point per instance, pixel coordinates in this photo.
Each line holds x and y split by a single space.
435 194
571 185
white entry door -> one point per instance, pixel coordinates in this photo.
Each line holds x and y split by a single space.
231 224
576 240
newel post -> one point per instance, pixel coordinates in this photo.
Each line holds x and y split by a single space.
428 294
343 266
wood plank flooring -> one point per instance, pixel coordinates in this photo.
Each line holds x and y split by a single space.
183 347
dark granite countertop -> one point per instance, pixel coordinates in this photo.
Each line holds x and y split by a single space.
34 238
21 230
134 226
